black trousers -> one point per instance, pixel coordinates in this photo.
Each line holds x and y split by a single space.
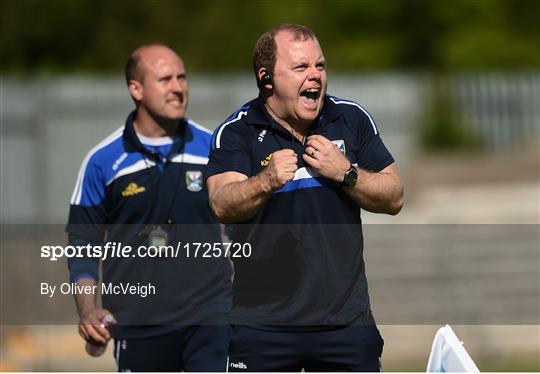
351 348
191 348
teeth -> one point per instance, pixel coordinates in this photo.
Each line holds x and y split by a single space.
312 90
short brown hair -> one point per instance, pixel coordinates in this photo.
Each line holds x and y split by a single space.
132 68
264 53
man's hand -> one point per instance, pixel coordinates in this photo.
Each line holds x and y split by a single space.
235 198
91 327
281 168
325 158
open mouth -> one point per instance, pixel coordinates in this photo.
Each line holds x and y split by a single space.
178 100
310 95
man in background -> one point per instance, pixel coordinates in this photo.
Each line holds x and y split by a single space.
144 186
292 169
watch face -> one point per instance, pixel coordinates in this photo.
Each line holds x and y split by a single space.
350 177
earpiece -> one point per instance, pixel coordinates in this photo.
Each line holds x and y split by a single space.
266 79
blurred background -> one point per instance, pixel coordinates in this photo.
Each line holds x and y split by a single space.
454 89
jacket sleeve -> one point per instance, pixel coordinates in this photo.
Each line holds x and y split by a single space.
87 219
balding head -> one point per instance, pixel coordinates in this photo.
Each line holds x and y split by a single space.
157 82
146 54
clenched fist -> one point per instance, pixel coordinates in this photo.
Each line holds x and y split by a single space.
281 168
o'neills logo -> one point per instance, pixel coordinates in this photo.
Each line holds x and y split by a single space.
133 189
266 161
238 365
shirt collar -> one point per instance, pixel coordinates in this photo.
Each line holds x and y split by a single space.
329 112
258 114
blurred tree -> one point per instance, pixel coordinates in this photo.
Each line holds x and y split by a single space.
441 129
215 35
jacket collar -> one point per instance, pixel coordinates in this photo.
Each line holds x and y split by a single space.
132 142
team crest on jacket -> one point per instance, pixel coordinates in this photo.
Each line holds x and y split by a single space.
340 144
194 180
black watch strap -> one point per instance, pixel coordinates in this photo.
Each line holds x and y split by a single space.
350 177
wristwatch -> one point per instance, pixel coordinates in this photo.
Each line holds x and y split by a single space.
350 178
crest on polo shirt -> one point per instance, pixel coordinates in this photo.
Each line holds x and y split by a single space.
340 144
194 181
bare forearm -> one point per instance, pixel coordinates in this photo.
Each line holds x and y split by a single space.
239 201
85 302
235 198
93 321
377 192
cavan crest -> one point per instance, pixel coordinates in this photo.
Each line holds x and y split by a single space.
194 181
340 144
